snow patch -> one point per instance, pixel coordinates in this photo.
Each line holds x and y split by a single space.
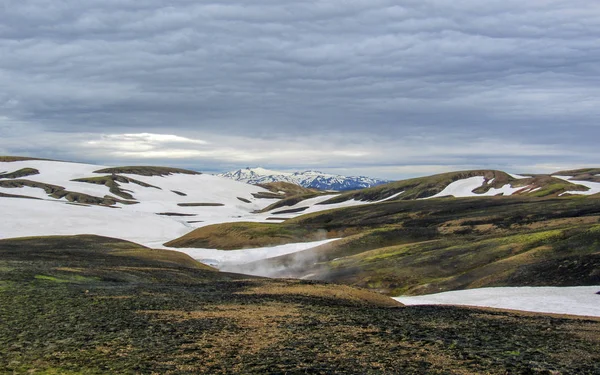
517 176
580 300
314 206
594 186
464 188
49 217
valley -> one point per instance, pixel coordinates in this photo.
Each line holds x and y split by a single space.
127 269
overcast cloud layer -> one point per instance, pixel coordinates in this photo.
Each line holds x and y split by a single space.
384 88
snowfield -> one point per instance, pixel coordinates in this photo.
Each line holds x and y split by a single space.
138 222
580 300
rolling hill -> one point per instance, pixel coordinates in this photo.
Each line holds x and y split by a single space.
426 246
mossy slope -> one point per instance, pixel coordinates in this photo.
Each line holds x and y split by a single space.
426 246
232 236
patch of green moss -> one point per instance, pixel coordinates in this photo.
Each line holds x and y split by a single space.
66 278
112 182
24 172
557 188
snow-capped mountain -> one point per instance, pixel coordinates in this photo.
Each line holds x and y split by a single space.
308 179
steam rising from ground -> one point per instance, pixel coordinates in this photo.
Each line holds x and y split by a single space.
281 266
241 261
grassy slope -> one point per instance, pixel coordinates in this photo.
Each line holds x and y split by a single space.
10 159
421 187
112 182
287 188
588 174
419 247
59 192
292 194
231 236
146 171
576 172
292 200
23 172
424 187
87 304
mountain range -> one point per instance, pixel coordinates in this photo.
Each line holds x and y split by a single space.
308 179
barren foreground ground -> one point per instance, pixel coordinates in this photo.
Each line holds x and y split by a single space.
91 305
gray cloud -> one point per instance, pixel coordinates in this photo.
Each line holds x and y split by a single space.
371 76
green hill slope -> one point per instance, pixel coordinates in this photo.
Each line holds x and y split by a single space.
424 187
426 246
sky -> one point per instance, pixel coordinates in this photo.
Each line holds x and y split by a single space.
388 89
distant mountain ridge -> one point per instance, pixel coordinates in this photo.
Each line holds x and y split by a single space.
308 179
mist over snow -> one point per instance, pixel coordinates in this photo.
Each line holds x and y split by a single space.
375 88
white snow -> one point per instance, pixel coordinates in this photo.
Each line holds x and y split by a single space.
517 176
266 172
464 188
138 222
594 186
581 300
314 206
26 191
61 174
224 258
45 218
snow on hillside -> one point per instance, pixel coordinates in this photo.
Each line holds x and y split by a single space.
594 186
313 205
187 201
464 188
137 222
308 179
581 300
50 217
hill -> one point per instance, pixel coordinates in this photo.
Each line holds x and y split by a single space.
87 304
474 183
426 246
308 179
461 184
